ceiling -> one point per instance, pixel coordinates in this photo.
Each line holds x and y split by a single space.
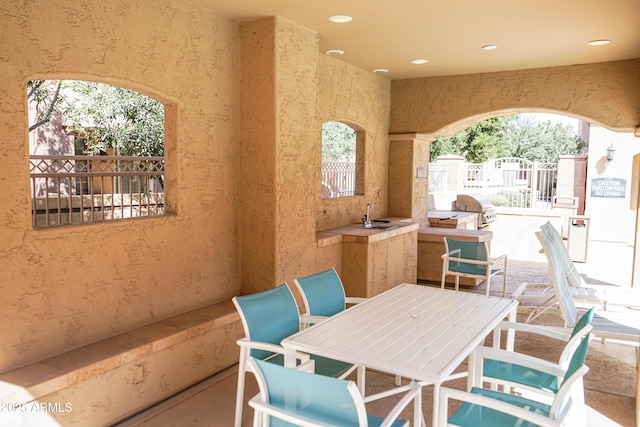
450 33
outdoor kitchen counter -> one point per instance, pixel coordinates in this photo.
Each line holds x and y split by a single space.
372 260
431 247
357 233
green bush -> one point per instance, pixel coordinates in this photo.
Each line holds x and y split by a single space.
511 199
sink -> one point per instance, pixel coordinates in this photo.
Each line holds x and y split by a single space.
385 226
380 226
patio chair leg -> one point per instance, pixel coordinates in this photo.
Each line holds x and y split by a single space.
240 389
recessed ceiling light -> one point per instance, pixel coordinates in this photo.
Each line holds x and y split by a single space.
419 61
489 47
598 42
334 52
380 70
340 19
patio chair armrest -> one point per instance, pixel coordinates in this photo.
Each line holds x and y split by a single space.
465 260
311 320
391 392
355 300
274 348
260 405
485 353
448 393
401 405
536 329
502 257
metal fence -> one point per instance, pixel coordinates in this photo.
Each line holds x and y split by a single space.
82 189
507 181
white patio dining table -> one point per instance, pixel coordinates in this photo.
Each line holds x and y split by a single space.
415 331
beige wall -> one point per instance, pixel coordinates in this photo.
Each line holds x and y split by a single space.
358 97
289 91
599 209
604 93
64 287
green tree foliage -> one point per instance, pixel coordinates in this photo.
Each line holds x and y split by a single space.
510 136
477 143
338 142
108 116
540 141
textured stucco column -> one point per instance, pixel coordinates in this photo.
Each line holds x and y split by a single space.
279 67
572 174
409 175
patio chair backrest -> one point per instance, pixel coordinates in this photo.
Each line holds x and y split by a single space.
323 293
584 320
268 316
561 289
299 394
573 275
579 332
476 251
576 370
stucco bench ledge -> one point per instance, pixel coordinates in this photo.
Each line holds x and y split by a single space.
195 336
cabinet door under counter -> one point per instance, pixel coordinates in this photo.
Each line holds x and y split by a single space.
376 259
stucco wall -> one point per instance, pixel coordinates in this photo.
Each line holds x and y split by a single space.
289 90
604 93
601 208
68 286
358 97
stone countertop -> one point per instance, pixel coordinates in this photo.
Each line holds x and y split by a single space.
356 233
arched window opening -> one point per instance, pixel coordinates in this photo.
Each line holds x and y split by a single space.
342 160
96 153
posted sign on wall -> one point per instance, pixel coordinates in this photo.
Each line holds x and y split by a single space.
609 187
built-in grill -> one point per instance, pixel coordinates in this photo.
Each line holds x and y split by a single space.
476 203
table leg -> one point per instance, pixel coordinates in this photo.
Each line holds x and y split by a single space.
511 333
471 370
436 403
418 417
289 358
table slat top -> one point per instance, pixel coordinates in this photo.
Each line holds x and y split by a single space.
411 330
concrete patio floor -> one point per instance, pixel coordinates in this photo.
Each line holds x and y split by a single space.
609 385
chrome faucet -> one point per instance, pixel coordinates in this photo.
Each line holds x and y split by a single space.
367 217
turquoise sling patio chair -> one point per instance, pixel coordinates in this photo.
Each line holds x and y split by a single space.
292 397
269 317
471 259
622 326
540 297
511 369
323 295
483 407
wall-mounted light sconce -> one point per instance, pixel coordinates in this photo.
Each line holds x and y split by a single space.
611 151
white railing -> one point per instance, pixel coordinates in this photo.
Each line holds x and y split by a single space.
438 173
338 179
80 189
508 181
